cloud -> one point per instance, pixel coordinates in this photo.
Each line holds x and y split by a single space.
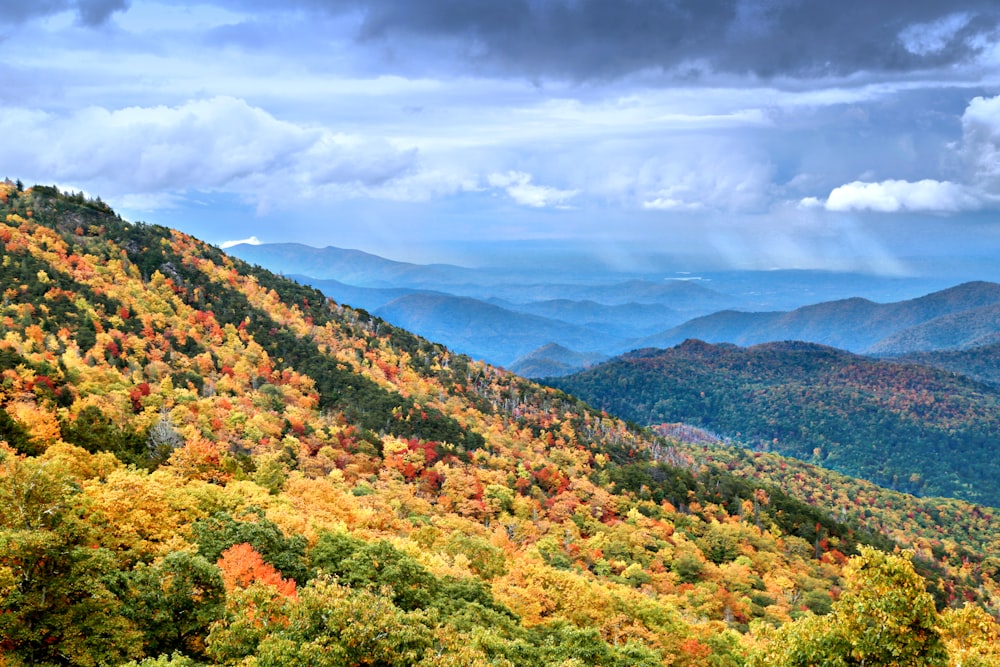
922 39
684 38
89 12
892 196
340 158
981 143
253 240
96 12
146 201
668 203
221 143
519 187
702 174
978 157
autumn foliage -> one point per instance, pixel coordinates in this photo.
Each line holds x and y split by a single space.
241 566
204 463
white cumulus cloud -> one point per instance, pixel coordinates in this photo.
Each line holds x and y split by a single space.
518 186
978 185
253 240
892 196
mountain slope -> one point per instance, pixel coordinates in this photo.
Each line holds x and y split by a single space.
202 461
970 328
906 427
979 363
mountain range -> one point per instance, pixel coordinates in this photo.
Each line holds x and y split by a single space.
354 267
961 316
503 314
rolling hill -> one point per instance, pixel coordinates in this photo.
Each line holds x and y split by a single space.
625 321
552 360
484 330
907 427
202 462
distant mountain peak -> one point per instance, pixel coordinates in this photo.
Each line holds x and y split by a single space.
854 324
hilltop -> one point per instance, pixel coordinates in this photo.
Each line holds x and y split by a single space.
553 360
907 427
203 461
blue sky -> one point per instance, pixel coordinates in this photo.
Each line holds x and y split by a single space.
757 134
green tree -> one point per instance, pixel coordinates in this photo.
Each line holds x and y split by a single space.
96 432
378 566
174 601
329 625
15 434
221 531
56 602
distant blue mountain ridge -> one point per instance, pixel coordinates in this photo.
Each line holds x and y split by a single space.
557 320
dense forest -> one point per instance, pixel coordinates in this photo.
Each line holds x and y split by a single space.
978 363
908 427
202 463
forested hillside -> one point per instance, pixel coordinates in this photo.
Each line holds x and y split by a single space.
907 427
204 463
978 363
914 522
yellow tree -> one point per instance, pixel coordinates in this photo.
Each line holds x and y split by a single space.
886 619
972 637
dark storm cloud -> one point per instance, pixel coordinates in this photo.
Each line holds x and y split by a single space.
582 39
95 12
89 12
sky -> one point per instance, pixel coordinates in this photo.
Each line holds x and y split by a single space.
850 135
